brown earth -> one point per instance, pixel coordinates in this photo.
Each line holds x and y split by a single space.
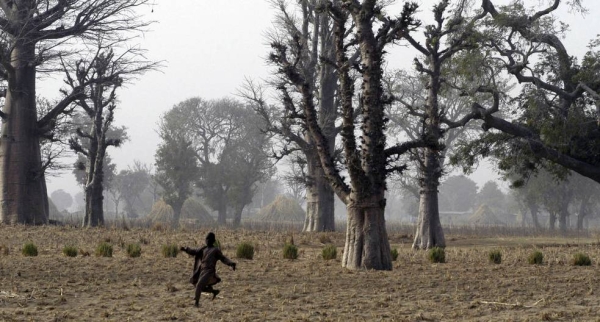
53 287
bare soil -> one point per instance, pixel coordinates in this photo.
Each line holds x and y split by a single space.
53 287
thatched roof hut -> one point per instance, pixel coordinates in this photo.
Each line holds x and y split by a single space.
484 215
192 211
282 209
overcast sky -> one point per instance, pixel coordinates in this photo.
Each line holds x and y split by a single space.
209 47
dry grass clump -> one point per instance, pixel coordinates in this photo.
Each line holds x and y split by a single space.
324 238
29 249
394 254
245 250
290 251
495 256
282 209
437 255
70 251
104 249
581 259
134 250
485 216
329 252
192 210
170 250
536 258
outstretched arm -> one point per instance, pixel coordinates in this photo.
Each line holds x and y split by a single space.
192 251
226 260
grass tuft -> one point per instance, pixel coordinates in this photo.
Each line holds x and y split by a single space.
329 252
536 258
134 250
394 254
104 249
581 259
495 256
245 250
170 250
29 249
70 251
290 251
437 255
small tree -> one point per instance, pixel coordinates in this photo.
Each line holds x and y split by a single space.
176 169
105 73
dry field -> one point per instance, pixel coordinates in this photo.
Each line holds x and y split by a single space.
53 287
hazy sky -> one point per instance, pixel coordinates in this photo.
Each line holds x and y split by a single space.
209 47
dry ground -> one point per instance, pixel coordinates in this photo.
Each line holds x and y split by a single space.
52 287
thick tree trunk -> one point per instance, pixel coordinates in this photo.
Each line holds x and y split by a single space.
533 209
237 216
23 195
562 220
552 221
367 245
429 232
222 213
580 217
94 199
94 205
177 206
320 215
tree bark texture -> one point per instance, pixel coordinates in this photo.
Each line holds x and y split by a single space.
222 213
429 232
552 221
367 245
23 195
533 209
320 215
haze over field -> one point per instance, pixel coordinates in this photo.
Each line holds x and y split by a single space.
210 47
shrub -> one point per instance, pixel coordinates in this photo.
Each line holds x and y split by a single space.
495 256
70 251
245 250
536 258
581 259
437 255
134 250
29 249
290 251
170 250
394 254
329 252
104 249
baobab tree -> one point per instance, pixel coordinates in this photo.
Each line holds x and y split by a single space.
32 33
302 22
367 165
451 34
104 73
558 108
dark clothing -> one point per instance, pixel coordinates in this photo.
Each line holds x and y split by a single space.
205 262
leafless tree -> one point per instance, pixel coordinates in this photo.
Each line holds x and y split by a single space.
32 35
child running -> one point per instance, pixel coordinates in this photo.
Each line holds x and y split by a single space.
205 261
